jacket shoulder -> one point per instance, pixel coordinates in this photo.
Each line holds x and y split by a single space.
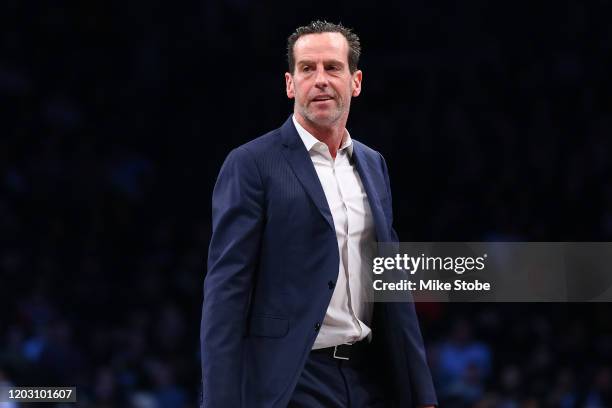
368 151
255 156
262 144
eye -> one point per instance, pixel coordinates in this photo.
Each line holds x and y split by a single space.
306 68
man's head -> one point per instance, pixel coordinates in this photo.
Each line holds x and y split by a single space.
323 74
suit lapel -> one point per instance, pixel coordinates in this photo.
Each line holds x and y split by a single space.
365 171
298 158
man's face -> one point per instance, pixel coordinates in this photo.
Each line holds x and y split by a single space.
322 83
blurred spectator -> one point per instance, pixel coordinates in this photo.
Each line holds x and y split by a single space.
5 382
600 395
463 365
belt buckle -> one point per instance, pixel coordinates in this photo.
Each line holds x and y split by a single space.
340 356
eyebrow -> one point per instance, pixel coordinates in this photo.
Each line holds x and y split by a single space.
310 62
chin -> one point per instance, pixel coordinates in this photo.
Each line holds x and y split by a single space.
323 119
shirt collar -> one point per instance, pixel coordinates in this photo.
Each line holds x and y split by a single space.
310 141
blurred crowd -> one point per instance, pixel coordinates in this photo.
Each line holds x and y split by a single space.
520 355
495 121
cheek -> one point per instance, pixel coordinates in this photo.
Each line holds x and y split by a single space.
302 91
348 92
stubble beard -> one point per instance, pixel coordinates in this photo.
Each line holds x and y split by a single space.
328 120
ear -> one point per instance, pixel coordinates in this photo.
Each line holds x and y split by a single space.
289 84
356 82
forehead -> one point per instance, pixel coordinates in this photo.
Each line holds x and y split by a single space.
321 46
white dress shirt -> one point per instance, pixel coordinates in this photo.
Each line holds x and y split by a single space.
350 310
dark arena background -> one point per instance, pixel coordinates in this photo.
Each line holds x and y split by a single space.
495 121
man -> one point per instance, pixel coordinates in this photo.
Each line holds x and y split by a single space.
286 319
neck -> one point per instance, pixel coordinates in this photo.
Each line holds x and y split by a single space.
330 135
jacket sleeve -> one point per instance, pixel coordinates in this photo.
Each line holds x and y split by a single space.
237 219
421 383
388 186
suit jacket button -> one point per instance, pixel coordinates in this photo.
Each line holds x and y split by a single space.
331 284
317 327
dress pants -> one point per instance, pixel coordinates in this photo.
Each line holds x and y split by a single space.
331 383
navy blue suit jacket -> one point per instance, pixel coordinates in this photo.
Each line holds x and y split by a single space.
272 256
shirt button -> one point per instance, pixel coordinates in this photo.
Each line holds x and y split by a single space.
317 327
331 284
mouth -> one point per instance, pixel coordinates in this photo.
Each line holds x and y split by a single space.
322 98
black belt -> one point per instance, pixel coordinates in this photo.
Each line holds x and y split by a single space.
355 351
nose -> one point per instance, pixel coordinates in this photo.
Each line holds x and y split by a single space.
321 80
